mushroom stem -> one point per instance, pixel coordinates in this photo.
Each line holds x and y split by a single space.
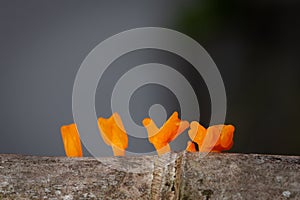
162 149
190 147
117 151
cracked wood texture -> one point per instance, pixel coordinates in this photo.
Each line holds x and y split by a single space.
172 176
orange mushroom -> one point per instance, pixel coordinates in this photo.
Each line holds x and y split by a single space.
113 133
71 140
216 138
161 138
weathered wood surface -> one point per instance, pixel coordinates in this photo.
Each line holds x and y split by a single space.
186 176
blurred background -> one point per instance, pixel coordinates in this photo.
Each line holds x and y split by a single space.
255 44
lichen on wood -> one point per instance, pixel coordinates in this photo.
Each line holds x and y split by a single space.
171 176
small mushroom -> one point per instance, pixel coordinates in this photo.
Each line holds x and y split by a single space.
71 140
161 138
216 138
113 133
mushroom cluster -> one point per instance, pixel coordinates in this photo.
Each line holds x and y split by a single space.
215 138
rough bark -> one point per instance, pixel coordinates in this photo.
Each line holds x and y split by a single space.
172 176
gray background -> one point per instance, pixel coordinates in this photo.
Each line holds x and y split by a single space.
255 45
